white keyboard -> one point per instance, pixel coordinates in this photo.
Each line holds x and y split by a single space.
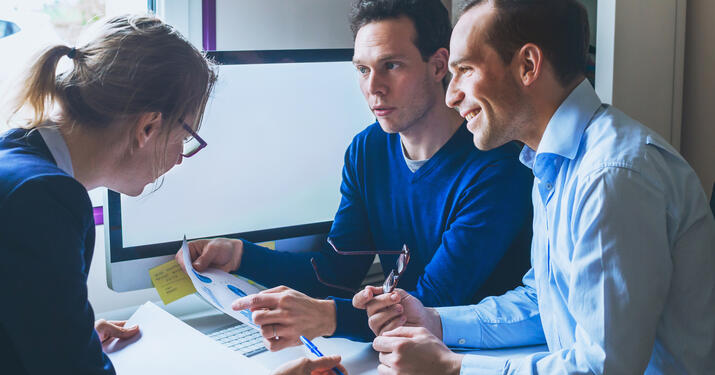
240 338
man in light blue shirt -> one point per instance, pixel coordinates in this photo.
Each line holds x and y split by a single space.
623 252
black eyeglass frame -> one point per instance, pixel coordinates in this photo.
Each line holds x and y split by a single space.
202 143
392 279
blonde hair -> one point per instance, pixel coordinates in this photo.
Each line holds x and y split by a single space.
130 65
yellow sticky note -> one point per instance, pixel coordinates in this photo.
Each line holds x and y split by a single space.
171 282
269 244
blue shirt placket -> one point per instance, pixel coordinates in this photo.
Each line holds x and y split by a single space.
546 169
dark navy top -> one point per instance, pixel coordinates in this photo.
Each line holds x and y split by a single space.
46 244
459 214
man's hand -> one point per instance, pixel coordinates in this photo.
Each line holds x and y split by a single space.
389 311
414 350
284 314
305 366
107 330
222 253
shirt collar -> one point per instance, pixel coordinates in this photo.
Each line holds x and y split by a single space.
58 148
563 133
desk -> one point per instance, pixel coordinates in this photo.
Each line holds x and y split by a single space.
358 357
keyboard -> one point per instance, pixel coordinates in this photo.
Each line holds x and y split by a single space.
240 338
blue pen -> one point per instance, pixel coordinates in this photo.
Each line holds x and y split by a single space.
314 349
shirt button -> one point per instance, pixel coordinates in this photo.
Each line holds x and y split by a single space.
462 341
549 186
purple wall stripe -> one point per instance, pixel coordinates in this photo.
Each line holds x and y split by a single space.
208 24
98 215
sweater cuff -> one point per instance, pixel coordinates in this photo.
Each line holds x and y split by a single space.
253 259
351 323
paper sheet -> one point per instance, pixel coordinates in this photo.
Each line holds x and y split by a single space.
220 288
166 345
171 282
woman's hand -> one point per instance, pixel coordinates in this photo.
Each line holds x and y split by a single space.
305 366
115 328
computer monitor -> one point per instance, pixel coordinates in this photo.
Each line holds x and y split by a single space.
277 128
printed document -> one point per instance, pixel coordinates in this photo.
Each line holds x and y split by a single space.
220 288
166 345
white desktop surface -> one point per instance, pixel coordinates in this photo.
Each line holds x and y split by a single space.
358 357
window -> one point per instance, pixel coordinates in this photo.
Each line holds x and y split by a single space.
28 26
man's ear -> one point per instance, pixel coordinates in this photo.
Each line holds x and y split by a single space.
146 128
438 64
528 63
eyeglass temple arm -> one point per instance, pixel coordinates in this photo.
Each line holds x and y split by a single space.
376 252
370 252
317 275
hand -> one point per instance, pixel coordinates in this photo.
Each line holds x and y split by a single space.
284 314
110 329
388 311
222 253
415 350
305 366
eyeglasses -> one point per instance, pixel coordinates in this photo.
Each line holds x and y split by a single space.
390 282
193 144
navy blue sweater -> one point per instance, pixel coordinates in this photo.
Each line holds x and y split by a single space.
459 214
46 244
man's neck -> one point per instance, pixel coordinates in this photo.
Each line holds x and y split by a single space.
422 140
545 106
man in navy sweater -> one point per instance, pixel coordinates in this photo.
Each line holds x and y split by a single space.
413 177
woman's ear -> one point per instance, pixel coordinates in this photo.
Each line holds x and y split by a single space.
146 128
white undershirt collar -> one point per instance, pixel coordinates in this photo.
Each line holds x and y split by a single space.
58 148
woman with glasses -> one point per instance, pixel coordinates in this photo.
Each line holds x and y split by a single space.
125 113
118 118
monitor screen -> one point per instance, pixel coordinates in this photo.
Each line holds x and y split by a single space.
277 127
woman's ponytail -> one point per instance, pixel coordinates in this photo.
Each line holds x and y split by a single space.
40 85
123 67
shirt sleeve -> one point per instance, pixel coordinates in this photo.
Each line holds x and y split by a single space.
492 216
619 277
46 314
511 319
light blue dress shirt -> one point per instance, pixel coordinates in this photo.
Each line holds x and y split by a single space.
623 257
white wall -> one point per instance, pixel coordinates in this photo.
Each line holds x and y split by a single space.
698 135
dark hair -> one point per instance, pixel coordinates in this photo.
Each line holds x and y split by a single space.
430 18
559 27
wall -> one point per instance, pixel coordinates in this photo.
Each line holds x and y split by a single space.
698 132
639 57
